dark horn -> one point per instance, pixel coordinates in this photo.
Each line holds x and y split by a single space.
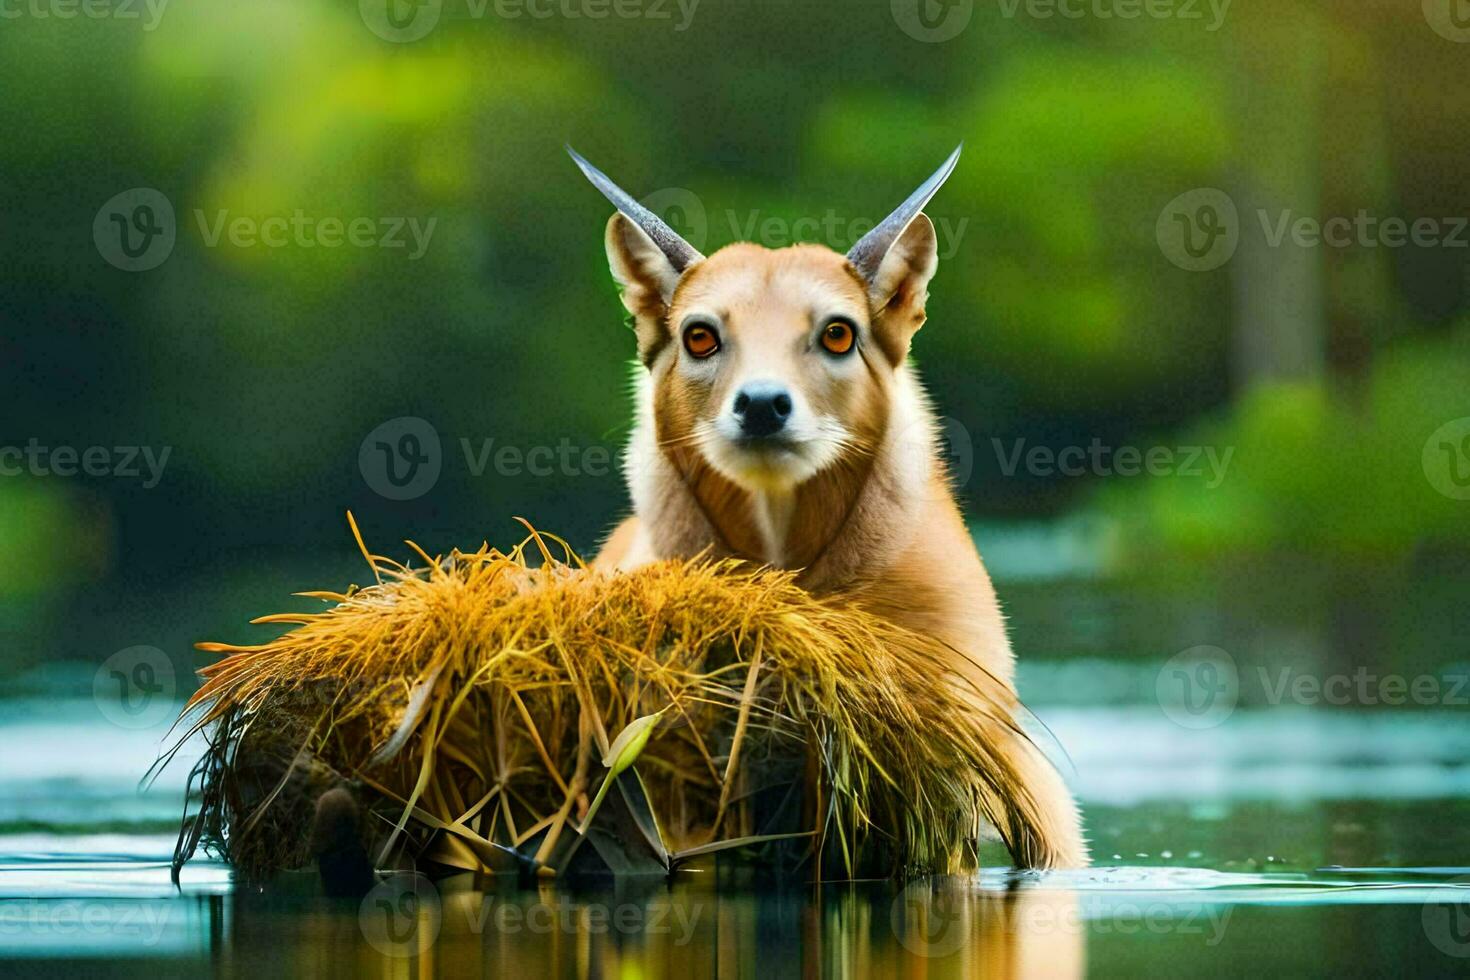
868 253
681 254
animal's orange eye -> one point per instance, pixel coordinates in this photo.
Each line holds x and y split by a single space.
838 336
701 340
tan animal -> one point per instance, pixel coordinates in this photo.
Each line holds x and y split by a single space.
779 420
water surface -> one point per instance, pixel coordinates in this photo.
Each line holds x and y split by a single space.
1287 835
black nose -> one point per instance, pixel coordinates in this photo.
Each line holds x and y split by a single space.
762 409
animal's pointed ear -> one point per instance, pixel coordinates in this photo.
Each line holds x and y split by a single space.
643 272
900 286
646 278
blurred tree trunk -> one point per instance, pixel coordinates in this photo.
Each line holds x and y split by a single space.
1356 177
1278 66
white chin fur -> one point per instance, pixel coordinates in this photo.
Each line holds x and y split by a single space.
766 469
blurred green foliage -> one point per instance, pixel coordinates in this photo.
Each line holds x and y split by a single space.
1055 315
1315 469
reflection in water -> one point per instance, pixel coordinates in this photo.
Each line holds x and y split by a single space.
1125 921
1018 932
939 928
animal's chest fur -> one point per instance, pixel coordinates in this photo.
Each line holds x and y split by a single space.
881 530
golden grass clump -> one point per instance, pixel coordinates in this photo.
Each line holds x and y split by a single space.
473 701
